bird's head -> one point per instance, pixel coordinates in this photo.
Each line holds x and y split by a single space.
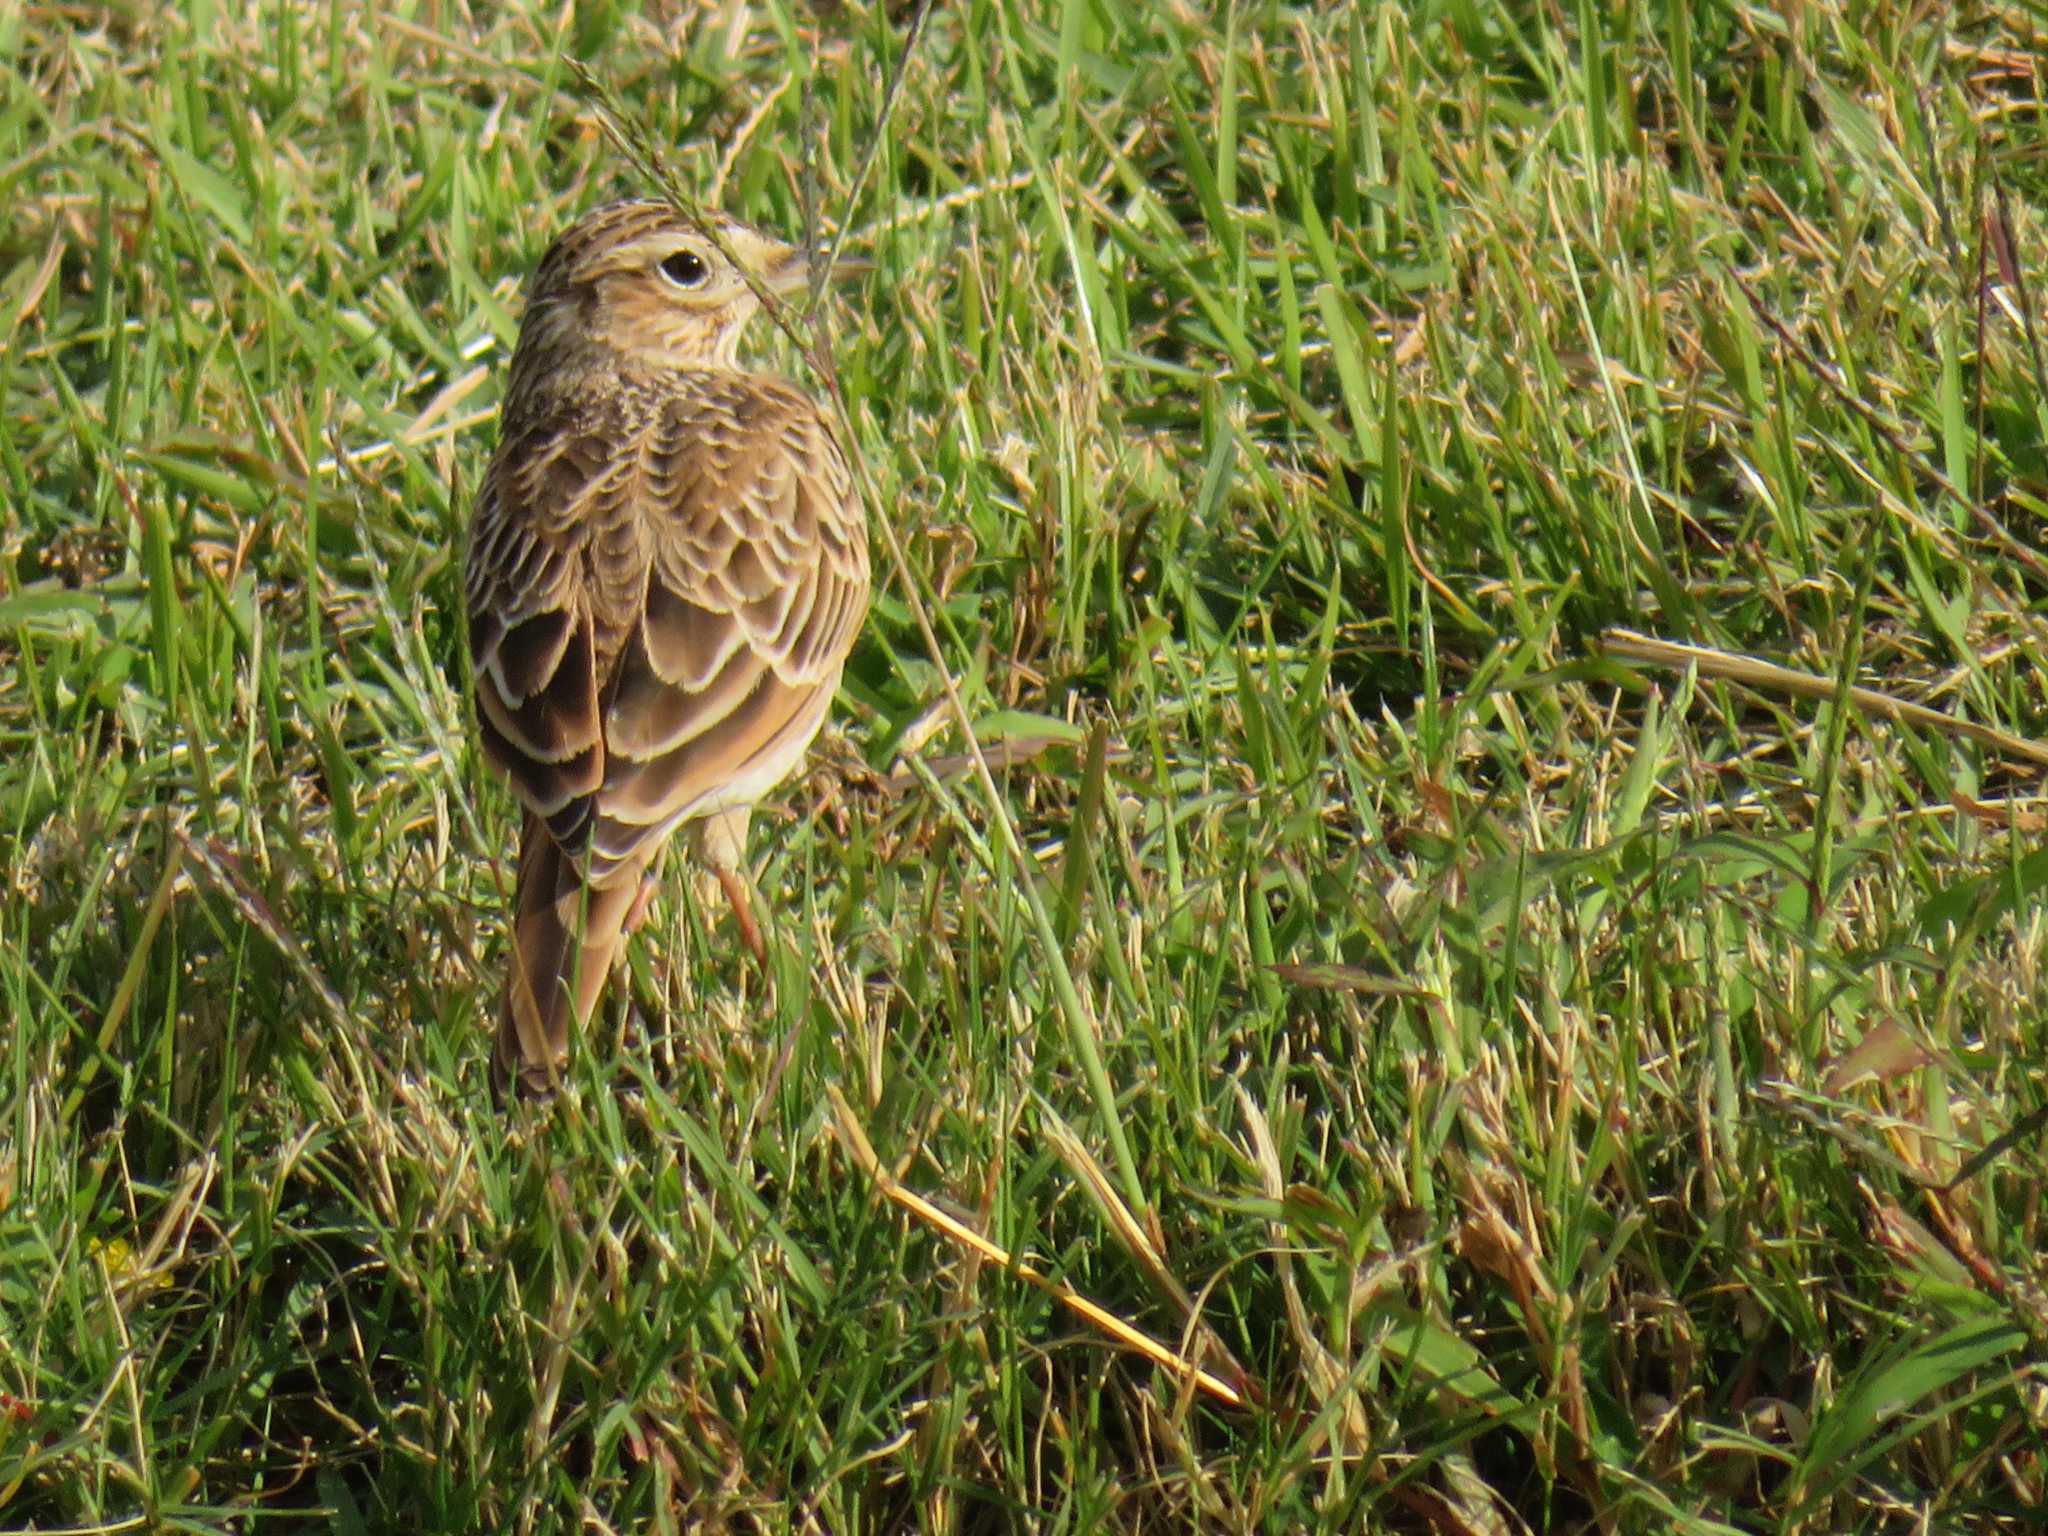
639 281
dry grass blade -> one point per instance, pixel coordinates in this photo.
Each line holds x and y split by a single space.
1143 1244
1627 645
1326 1373
1831 376
220 866
124 994
857 1146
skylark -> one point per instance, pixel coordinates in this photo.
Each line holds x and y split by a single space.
667 566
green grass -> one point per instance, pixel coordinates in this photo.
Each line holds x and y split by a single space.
1554 1085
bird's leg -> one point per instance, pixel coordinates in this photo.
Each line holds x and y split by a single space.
743 914
643 903
722 844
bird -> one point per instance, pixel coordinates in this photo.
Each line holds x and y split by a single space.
667 565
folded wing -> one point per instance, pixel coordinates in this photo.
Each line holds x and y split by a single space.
660 605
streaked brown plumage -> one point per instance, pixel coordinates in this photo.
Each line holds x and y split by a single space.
667 566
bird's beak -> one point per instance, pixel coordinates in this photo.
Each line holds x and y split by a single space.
846 268
792 272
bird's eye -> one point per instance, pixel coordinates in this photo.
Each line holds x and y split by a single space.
685 269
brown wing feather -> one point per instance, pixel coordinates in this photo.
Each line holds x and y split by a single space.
545 535
728 675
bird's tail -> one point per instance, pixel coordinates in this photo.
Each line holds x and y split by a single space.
565 936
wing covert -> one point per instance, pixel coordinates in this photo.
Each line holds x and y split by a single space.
750 610
660 606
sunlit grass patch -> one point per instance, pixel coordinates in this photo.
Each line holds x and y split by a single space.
1554 1084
